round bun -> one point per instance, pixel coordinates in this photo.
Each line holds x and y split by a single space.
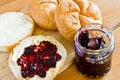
18 51
42 12
14 27
70 15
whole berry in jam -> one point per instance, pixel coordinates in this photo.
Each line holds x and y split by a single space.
38 59
90 43
94 43
84 38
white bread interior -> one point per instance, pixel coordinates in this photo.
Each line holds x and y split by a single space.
14 27
18 51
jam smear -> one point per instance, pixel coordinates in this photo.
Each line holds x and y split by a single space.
38 59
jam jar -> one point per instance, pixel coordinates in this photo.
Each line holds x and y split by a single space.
93 59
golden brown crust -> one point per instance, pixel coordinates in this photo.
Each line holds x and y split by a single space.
42 12
70 15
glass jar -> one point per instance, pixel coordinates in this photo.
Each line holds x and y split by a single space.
94 63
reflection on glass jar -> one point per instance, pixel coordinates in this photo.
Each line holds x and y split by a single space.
92 59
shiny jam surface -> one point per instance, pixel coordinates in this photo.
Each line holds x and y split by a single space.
92 65
90 43
38 59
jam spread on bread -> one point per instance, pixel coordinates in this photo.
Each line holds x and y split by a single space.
38 59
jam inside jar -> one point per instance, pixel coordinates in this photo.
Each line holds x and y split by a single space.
93 59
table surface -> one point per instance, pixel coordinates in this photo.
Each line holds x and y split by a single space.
111 15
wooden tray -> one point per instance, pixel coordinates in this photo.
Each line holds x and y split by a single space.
111 15
5 71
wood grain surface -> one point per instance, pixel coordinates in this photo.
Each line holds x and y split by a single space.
111 15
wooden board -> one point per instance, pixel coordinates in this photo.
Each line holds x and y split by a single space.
37 31
111 15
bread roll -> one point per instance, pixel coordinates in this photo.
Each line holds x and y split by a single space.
70 15
42 12
14 27
35 40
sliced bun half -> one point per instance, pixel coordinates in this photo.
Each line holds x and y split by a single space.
34 40
14 27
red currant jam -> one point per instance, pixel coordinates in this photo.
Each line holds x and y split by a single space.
38 59
90 62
